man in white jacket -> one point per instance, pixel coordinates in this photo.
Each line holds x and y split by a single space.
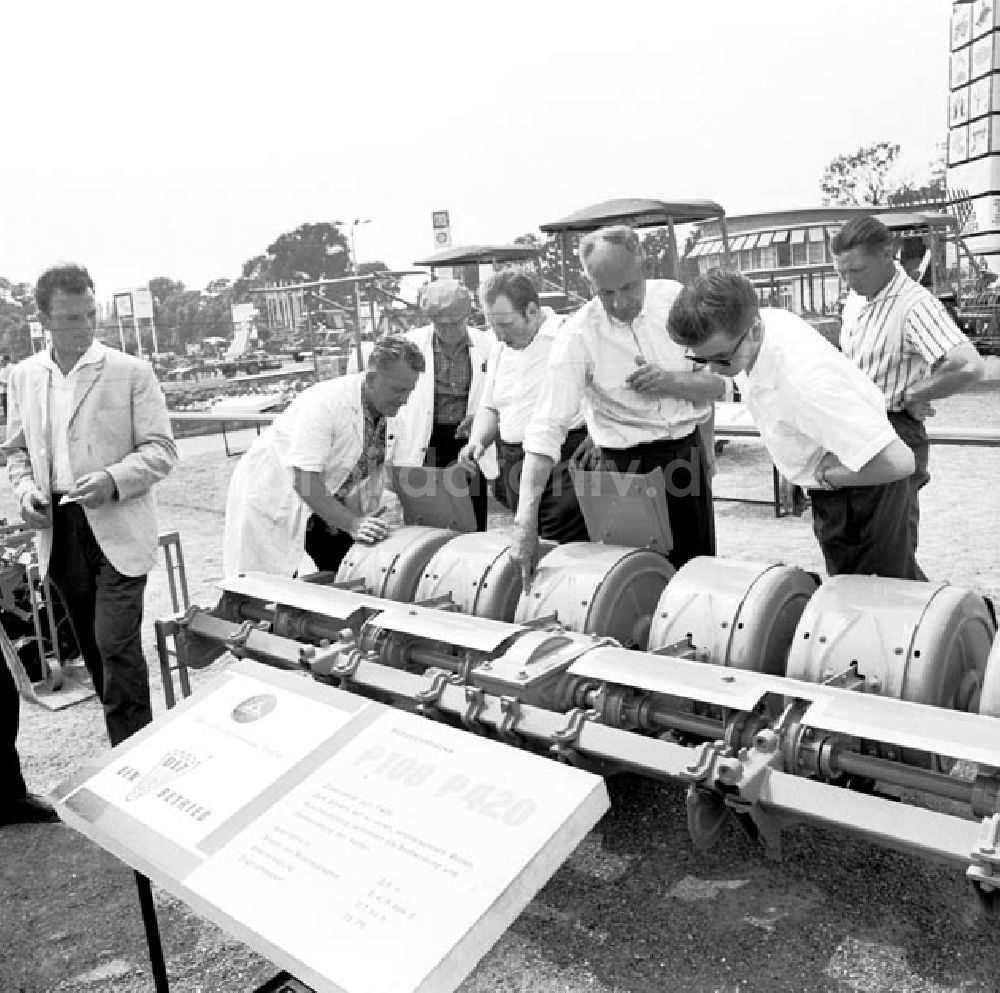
88 437
321 460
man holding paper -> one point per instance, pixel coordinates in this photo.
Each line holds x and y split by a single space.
88 436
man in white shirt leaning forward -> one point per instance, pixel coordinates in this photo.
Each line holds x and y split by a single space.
822 420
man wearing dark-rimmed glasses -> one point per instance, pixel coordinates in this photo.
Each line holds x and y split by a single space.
822 420
723 360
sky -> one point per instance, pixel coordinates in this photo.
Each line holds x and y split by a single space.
180 139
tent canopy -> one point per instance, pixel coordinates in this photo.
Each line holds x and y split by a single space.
637 213
479 254
916 221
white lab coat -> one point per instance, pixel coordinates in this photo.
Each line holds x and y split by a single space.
322 431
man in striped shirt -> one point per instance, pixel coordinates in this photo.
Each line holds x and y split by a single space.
900 335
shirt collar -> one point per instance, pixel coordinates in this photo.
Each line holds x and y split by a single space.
93 355
366 403
766 365
627 325
461 345
550 323
891 289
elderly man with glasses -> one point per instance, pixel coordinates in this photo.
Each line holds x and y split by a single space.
822 420
643 401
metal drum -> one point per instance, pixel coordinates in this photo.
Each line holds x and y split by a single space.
598 589
989 702
921 642
737 614
477 572
393 567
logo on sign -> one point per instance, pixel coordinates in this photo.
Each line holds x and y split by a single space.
254 708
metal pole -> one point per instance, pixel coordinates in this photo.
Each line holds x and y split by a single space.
309 332
354 271
672 250
156 960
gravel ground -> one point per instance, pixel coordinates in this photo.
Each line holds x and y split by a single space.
636 908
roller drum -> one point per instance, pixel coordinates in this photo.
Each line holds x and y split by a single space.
479 575
598 589
925 643
392 568
737 614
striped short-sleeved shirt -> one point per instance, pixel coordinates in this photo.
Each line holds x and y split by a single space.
897 336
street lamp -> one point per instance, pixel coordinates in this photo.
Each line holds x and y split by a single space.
356 223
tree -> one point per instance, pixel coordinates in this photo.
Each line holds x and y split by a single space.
390 284
550 263
185 316
309 253
17 308
933 193
161 287
862 177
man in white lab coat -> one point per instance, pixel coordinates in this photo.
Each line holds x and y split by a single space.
321 461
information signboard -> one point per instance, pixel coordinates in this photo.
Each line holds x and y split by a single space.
324 829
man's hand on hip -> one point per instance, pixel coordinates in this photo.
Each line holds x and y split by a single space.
587 455
919 409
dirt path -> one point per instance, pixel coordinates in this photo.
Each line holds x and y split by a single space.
636 908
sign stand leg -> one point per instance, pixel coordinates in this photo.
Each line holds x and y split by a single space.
156 961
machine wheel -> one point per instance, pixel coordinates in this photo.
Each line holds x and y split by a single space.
920 642
737 614
393 567
606 590
476 571
989 700
49 654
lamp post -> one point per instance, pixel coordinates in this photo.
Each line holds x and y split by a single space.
356 223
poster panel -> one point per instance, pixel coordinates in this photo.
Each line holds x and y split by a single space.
324 829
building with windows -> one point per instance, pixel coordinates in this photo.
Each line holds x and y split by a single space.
785 254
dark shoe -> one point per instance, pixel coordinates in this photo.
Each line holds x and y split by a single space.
32 809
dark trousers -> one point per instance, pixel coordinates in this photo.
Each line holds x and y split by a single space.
689 491
442 451
106 610
559 516
866 530
11 781
914 435
324 546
